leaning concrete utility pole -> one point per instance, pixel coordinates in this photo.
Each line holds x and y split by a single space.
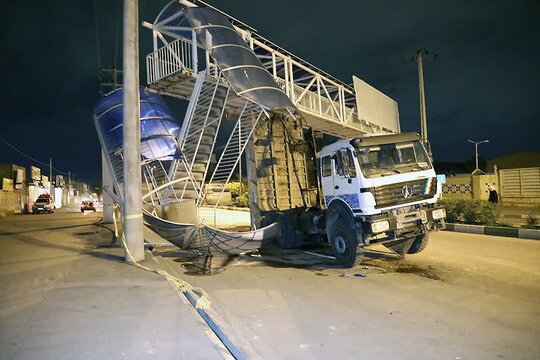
132 209
419 57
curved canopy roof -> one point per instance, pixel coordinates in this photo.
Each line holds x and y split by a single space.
158 128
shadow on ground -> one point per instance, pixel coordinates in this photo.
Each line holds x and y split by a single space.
83 239
310 258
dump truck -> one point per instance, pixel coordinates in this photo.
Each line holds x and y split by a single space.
378 189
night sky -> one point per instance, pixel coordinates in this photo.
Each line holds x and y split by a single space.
484 83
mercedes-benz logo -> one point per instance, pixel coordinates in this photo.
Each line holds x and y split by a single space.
406 191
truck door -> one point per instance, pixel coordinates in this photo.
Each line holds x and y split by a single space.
346 186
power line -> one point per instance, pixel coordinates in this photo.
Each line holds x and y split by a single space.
97 35
119 11
31 158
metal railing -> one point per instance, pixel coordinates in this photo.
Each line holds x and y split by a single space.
314 98
168 60
236 144
309 100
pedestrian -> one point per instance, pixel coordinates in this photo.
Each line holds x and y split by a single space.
493 196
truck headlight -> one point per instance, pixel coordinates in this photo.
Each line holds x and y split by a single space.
380 226
438 214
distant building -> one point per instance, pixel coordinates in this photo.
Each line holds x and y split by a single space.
13 189
515 160
14 172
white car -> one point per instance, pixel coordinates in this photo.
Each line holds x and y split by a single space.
43 204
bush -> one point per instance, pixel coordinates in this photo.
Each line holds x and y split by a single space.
242 200
531 221
239 199
486 214
234 188
451 211
470 212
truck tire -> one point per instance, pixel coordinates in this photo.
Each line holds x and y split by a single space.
419 244
344 243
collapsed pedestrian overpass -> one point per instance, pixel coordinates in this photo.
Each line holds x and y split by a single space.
229 73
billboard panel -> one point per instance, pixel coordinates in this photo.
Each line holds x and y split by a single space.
376 107
19 179
7 184
60 181
36 173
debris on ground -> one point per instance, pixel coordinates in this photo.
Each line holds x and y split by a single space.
353 275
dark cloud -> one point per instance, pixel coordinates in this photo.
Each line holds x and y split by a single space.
483 84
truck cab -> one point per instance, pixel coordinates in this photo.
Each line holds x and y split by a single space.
379 189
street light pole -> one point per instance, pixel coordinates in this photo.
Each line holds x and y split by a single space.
476 143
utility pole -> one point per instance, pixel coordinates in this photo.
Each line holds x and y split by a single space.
69 189
476 143
51 190
132 209
420 56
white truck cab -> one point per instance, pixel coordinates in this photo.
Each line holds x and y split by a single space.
384 189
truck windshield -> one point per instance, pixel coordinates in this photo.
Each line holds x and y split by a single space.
389 159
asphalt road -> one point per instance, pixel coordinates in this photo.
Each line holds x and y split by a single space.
66 293
466 296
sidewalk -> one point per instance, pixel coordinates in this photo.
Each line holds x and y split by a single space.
65 293
516 215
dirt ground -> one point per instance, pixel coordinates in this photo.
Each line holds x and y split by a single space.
466 296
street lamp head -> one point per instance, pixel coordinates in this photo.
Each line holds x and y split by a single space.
478 142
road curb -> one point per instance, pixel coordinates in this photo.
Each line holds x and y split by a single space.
531 234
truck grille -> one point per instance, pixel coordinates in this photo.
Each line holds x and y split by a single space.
404 192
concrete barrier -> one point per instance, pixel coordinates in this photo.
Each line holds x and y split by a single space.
529 234
495 230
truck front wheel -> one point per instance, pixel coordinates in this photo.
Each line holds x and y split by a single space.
344 243
419 244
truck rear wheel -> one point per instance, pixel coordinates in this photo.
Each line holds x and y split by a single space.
419 244
344 243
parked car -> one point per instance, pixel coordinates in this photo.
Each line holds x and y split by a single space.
87 205
44 203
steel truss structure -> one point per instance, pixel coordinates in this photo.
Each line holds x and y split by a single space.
326 103
226 70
